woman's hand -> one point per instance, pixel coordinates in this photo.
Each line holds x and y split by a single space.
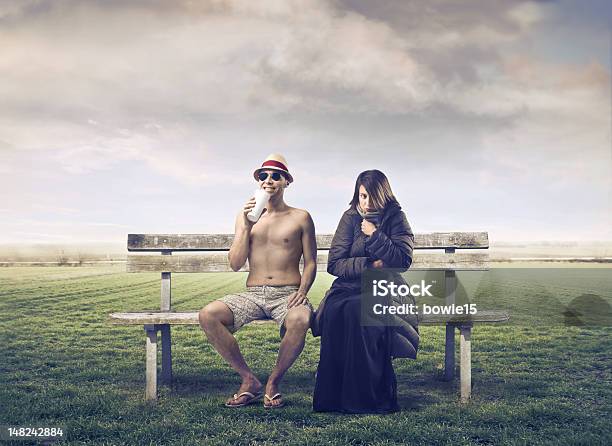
378 264
367 228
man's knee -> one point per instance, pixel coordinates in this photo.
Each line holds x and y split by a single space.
206 316
212 314
298 319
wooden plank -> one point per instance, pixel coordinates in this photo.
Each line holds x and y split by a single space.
155 317
465 364
166 354
195 242
468 261
191 318
324 240
222 242
151 363
166 291
458 240
209 262
449 353
218 262
450 287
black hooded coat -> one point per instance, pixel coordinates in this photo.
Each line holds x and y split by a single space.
355 372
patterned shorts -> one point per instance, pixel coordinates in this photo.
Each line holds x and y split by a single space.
260 303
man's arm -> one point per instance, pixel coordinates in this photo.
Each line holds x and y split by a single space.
239 251
309 250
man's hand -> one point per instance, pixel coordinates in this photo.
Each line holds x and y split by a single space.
248 206
297 298
378 264
367 228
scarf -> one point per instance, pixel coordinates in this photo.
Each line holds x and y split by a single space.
371 216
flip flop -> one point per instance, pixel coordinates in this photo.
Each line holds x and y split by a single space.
251 398
273 406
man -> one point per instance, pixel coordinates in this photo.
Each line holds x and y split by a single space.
275 288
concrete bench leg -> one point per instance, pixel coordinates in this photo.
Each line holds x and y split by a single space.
166 354
466 362
449 353
151 361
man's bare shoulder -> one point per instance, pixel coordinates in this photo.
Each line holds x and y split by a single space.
300 214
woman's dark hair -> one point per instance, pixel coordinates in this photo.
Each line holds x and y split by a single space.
378 187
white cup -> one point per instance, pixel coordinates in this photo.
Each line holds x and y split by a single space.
261 199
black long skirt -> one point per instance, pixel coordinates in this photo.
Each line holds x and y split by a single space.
355 373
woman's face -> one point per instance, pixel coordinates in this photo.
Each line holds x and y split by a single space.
364 199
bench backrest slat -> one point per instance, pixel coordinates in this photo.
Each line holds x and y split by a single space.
155 255
218 262
222 242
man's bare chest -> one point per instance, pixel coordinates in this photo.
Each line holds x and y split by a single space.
271 233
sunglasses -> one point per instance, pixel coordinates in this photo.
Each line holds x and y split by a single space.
263 176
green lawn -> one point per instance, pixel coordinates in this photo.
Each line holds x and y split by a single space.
63 363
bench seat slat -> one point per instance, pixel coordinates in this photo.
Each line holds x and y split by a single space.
218 262
192 318
222 242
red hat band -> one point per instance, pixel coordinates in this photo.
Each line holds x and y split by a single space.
272 163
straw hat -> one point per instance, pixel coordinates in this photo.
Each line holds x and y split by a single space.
274 161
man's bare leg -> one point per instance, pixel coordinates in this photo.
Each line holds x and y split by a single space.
214 320
297 323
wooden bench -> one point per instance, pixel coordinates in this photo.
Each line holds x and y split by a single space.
214 248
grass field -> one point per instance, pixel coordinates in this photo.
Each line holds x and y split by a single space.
62 363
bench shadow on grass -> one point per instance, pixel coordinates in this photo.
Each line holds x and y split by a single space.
414 392
223 383
417 399
417 389
426 391
420 384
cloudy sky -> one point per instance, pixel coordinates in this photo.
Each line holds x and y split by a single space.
150 116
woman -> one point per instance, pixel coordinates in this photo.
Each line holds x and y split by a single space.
355 373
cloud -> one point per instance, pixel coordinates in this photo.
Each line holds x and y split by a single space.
223 58
140 148
181 58
175 97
